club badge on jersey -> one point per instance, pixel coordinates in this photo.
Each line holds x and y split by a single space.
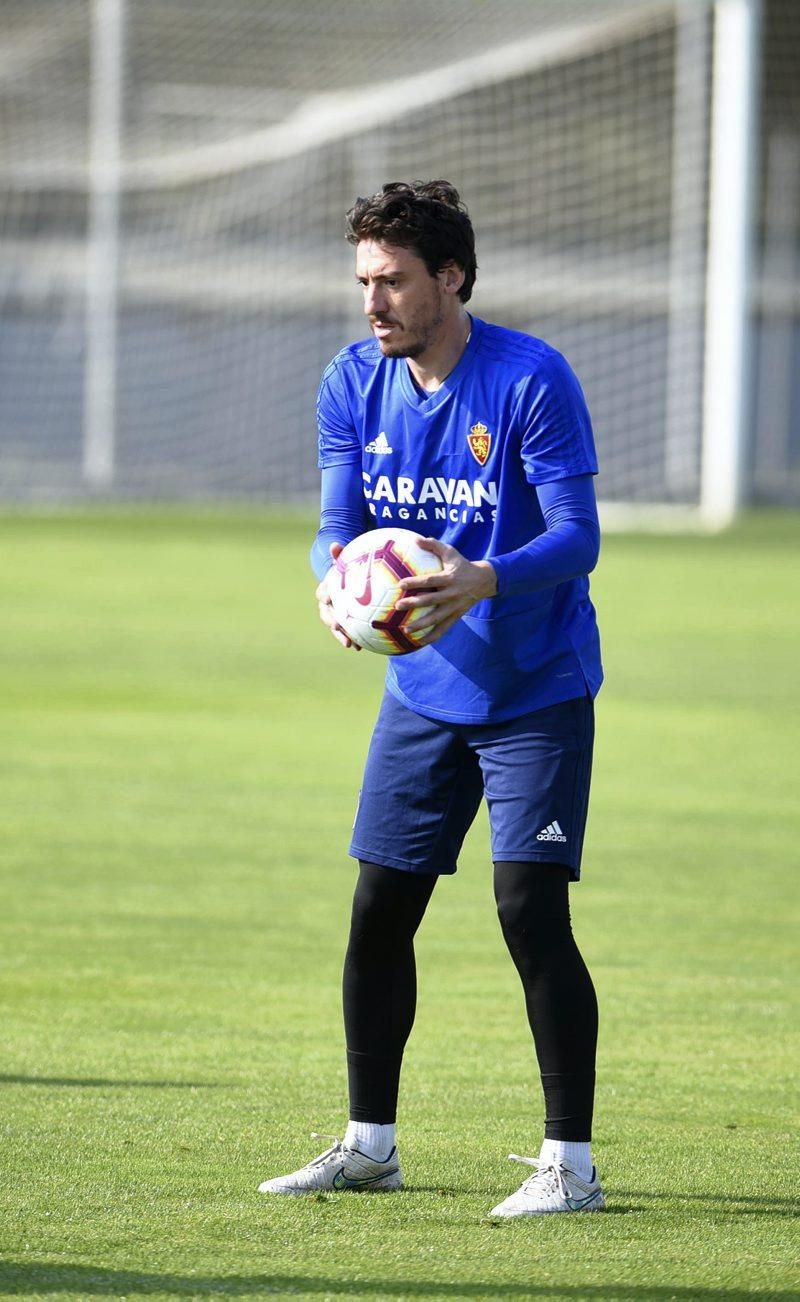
480 441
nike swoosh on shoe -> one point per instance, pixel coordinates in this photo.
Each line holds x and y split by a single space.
575 1204
342 1181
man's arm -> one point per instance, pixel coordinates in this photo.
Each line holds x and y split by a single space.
342 517
342 514
568 548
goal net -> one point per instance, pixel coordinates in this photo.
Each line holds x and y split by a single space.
173 179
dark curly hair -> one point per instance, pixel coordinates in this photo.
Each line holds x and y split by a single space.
427 217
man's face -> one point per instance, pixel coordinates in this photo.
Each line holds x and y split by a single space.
405 304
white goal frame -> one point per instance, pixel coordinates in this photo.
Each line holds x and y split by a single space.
736 26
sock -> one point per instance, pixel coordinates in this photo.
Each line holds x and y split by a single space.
372 1138
575 1156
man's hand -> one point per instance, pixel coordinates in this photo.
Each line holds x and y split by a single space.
450 593
326 606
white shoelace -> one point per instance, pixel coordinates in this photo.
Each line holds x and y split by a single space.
548 1177
334 1152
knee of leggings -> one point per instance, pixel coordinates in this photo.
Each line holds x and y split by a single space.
532 900
388 904
371 903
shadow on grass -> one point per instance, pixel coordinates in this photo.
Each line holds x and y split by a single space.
91 1082
19 1278
727 1204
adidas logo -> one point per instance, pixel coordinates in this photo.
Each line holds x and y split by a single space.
379 445
551 833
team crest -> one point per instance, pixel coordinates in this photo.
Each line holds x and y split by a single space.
480 440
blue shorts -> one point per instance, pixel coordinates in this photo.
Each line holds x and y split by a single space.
424 780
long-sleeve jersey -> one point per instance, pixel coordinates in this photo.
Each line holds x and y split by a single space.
497 462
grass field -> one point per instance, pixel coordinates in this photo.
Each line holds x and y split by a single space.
181 747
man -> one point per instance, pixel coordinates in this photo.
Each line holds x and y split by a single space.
478 437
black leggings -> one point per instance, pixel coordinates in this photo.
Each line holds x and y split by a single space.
380 987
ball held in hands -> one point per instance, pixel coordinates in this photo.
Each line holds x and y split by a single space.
364 588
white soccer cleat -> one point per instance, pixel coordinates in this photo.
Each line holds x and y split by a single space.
340 1167
553 1188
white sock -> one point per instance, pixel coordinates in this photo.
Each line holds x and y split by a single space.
576 1157
375 1140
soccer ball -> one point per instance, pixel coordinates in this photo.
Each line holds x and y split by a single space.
364 586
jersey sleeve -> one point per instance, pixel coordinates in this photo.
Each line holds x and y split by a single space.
343 513
568 548
557 438
339 443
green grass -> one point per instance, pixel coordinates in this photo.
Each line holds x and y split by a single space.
180 749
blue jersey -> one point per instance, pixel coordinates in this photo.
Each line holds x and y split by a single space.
463 464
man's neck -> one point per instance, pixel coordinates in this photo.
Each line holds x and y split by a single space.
432 369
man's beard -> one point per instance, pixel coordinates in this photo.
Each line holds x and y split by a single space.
418 344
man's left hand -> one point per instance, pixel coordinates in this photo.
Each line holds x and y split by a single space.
450 593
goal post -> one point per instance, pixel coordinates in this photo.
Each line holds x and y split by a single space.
102 251
728 376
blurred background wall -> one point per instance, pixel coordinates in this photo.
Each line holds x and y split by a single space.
173 179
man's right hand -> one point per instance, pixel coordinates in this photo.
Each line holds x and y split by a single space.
326 607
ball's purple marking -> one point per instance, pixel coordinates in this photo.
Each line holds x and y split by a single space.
392 562
393 625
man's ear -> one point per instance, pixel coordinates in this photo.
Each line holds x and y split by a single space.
451 277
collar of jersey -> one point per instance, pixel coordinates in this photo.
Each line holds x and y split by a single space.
415 396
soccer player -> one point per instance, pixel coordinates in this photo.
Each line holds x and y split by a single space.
477 437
